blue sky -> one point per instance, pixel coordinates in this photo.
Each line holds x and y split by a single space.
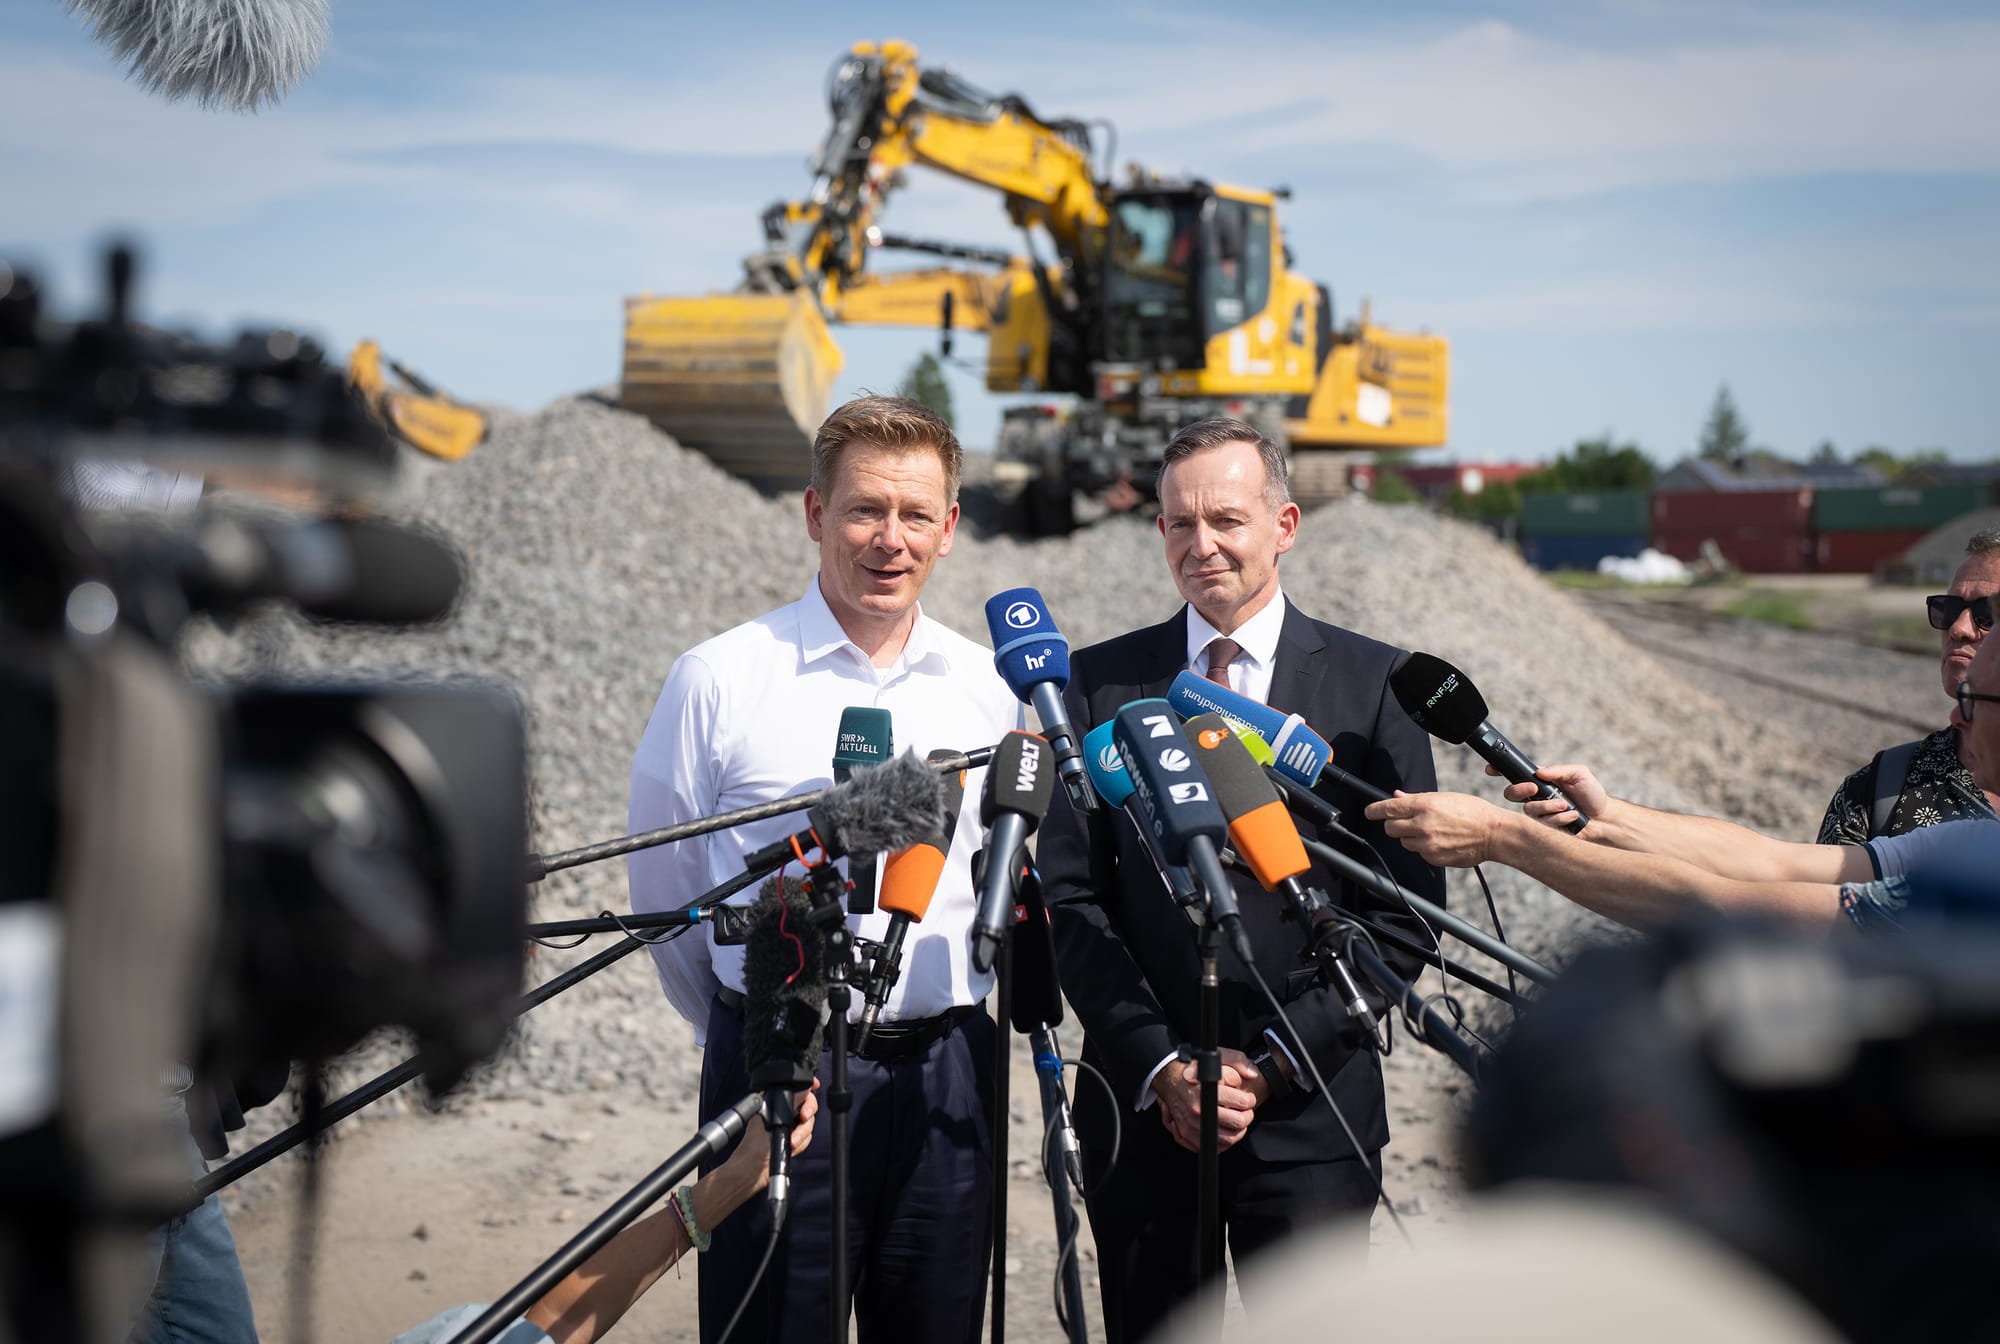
1610 207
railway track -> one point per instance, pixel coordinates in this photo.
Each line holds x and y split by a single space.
1695 621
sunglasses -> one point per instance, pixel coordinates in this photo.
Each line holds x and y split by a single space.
1966 697
1944 609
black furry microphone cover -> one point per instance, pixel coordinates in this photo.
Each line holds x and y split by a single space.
784 987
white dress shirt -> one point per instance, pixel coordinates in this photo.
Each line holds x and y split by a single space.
1249 675
752 715
1257 638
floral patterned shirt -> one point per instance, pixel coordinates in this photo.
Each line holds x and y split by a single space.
1937 788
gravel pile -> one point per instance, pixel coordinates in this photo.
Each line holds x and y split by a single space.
599 550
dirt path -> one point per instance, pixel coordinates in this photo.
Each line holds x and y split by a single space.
419 1211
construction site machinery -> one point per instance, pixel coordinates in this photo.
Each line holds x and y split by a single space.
418 413
1131 310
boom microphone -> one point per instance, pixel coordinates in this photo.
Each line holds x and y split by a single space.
882 807
784 1011
1033 659
1113 783
909 880
239 54
1177 806
1444 703
1019 784
1301 754
865 739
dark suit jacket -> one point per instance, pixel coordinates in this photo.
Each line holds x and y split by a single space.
1128 956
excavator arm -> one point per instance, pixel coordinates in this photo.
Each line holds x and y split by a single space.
745 377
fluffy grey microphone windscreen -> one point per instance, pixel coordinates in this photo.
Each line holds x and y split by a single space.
239 54
784 987
884 807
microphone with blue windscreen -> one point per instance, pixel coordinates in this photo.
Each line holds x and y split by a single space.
1113 784
1176 806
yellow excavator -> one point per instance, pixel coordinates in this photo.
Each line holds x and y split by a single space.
1134 309
418 413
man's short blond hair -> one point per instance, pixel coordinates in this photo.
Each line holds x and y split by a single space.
897 424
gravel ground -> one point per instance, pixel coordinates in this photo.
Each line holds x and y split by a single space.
599 550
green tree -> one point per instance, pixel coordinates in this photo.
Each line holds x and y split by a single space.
1724 435
1500 499
925 382
1594 464
1826 454
1881 460
1392 487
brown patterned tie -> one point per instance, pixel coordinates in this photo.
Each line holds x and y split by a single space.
1222 651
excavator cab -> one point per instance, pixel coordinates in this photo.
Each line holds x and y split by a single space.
1185 264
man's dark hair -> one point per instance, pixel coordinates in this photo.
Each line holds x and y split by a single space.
1222 430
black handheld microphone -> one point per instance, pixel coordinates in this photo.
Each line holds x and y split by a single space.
784 1011
1020 780
882 807
865 739
1444 703
909 880
1032 657
1177 806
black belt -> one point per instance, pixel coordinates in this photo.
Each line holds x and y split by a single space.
887 1041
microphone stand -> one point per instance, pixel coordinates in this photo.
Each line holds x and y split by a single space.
711 1140
1208 1072
829 890
1048 1074
1003 1007
540 866
384 1083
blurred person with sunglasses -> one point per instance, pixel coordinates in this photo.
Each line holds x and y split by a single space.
1922 783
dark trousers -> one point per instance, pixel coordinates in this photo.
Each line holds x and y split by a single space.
1142 1215
919 1199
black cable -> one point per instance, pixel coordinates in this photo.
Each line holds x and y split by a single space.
770 1245
1067 1248
1319 1087
1493 909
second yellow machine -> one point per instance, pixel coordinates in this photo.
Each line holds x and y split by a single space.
1134 309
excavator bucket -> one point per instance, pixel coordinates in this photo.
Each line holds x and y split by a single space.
743 378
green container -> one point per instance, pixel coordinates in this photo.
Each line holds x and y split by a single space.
1892 508
1585 513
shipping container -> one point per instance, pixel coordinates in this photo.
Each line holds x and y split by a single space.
1728 510
1894 508
1754 550
1585 513
1579 552
1861 552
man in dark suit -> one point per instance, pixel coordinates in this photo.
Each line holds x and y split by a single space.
1128 959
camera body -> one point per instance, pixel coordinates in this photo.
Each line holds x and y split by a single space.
219 878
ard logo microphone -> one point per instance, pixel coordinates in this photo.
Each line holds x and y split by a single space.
1032 657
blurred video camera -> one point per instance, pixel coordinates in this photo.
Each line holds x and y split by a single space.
215 878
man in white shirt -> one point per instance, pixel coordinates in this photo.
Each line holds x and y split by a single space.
753 714
1129 963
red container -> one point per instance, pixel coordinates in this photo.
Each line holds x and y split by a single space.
1752 550
1861 552
1729 510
